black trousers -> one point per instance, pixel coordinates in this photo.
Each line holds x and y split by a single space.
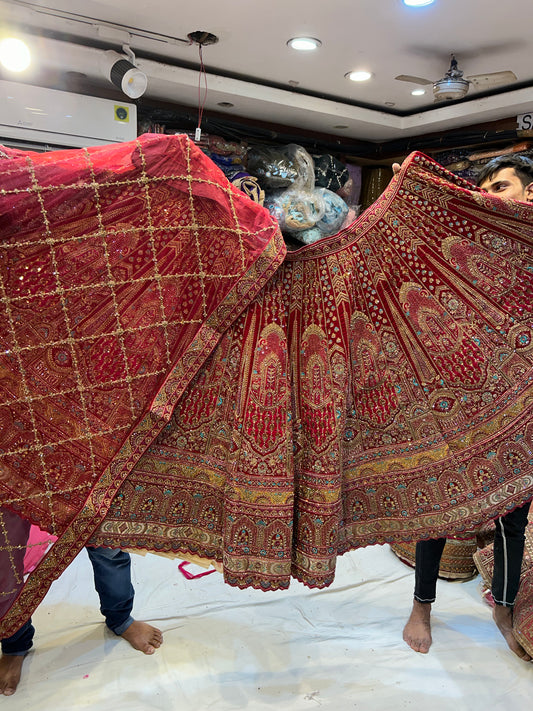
508 552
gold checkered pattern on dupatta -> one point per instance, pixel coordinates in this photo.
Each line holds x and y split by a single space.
120 268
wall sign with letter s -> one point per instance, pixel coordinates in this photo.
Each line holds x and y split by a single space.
525 121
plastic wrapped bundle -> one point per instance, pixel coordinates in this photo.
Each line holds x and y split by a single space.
305 179
296 210
301 206
273 167
282 167
302 209
274 205
308 236
330 173
333 219
335 213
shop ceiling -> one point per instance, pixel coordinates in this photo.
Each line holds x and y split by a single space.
252 68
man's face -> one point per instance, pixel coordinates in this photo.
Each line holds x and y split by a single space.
507 184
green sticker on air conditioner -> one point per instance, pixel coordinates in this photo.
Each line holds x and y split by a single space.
122 113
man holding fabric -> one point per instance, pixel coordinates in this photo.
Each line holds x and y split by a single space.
509 177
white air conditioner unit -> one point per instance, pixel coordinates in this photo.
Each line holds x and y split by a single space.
35 114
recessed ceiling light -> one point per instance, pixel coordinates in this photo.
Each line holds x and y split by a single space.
418 92
340 125
304 44
418 3
14 54
225 104
390 103
358 76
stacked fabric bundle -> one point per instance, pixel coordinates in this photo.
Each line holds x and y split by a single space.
230 157
466 163
301 192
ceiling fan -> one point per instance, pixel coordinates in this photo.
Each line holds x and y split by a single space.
453 86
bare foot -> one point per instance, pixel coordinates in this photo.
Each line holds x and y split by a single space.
417 631
503 617
10 669
143 637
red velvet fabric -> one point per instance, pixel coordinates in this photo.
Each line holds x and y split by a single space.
120 268
172 386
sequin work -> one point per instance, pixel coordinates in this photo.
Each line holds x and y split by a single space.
376 387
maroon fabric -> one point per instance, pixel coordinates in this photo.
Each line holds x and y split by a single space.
169 384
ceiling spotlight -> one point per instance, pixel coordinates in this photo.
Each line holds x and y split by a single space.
304 44
123 73
358 76
418 92
418 3
14 54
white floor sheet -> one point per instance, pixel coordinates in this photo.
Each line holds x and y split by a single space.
299 650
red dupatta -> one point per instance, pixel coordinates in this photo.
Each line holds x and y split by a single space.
120 268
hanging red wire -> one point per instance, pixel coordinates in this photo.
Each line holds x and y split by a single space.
201 102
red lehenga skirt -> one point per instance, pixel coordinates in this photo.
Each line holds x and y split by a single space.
169 385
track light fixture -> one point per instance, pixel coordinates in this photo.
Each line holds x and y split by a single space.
122 72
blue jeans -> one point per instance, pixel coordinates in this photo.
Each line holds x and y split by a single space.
112 580
508 552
